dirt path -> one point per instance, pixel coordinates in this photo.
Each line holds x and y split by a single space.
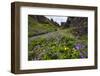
51 34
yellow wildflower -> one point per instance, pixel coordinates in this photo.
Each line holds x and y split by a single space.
66 48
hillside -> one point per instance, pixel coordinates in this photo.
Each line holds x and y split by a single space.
39 25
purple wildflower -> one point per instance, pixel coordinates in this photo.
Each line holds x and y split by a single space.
81 55
79 46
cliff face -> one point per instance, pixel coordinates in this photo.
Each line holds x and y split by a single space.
80 24
43 19
70 22
77 21
39 18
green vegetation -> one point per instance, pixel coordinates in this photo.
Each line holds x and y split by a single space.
36 28
54 43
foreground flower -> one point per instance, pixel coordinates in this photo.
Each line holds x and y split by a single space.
81 55
79 46
66 48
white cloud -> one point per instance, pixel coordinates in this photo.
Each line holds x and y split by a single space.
57 19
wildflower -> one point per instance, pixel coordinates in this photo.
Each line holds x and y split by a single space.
79 46
81 55
66 48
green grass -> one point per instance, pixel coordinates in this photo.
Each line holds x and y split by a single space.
36 28
59 45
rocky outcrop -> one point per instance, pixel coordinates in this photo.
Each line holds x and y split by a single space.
39 18
43 19
77 21
80 24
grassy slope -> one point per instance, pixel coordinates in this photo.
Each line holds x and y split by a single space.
36 28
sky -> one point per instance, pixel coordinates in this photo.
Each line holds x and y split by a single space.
57 19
